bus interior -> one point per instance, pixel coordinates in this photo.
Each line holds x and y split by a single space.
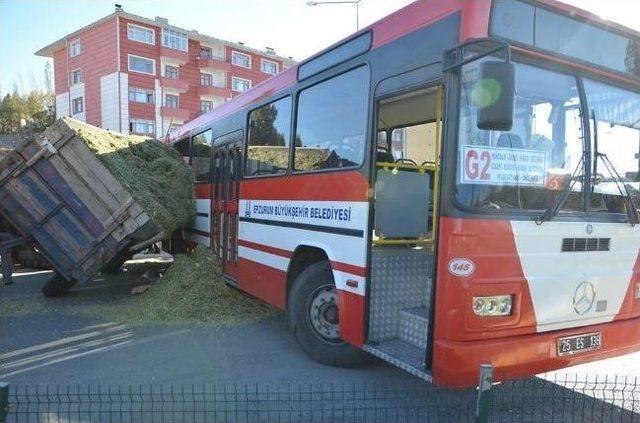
404 223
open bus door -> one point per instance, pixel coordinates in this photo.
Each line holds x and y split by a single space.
407 191
227 158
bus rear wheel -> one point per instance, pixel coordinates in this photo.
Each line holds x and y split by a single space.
314 318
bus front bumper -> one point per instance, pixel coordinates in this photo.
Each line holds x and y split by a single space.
456 363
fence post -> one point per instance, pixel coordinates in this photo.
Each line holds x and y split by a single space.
483 405
4 401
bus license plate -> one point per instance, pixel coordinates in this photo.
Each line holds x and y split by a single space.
579 343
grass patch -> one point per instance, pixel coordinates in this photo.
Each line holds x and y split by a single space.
153 173
191 290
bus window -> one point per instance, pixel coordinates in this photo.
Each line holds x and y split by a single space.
415 144
268 141
183 147
201 162
331 122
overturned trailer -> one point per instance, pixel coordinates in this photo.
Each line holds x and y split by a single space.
87 198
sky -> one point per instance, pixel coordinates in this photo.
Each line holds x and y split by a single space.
290 26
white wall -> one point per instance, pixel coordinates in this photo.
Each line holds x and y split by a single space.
158 99
62 105
124 103
76 91
109 100
214 99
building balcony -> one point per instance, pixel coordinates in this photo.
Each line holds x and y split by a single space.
213 62
175 113
214 90
179 84
181 56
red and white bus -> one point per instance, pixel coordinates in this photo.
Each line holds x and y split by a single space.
455 185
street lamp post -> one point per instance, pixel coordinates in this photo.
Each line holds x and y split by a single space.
355 2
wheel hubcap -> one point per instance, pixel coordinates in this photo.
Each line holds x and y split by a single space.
323 314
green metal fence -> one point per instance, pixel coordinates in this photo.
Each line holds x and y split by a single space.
554 399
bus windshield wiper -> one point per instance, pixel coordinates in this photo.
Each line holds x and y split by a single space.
553 210
630 206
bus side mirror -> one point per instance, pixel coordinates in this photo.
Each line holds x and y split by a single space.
495 95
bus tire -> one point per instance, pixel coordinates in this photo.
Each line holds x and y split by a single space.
57 286
313 316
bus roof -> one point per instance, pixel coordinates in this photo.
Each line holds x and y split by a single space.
474 24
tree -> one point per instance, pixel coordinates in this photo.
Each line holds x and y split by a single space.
632 59
48 78
28 112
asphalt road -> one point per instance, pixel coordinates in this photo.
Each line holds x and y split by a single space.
47 342
57 345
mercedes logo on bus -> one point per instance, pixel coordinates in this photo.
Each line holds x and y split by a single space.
584 297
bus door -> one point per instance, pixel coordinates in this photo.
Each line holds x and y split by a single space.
405 209
227 167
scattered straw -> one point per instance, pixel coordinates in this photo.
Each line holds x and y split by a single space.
191 290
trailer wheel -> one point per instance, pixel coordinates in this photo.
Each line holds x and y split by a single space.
57 286
313 315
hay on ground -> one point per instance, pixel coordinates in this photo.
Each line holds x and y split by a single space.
191 290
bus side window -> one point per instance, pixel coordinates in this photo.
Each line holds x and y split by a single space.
183 147
331 122
201 161
268 140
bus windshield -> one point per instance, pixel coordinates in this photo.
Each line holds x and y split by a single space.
528 167
616 115
541 159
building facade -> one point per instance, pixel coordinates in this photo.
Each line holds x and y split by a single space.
132 74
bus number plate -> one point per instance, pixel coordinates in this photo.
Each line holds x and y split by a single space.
580 343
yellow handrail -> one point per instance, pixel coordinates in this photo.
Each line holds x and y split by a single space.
422 168
435 167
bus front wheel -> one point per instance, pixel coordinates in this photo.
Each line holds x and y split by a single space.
314 318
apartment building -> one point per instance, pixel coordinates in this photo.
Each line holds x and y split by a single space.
132 74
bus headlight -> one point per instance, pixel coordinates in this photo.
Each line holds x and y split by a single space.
499 305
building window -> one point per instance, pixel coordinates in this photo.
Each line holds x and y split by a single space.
142 65
206 79
142 126
171 100
206 52
171 72
206 105
141 34
240 85
75 48
77 105
174 39
268 140
141 95
173 128
268 66
76 77
241 59
331 122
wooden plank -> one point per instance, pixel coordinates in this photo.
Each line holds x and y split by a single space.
82 188
90 170
79 150
59 185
